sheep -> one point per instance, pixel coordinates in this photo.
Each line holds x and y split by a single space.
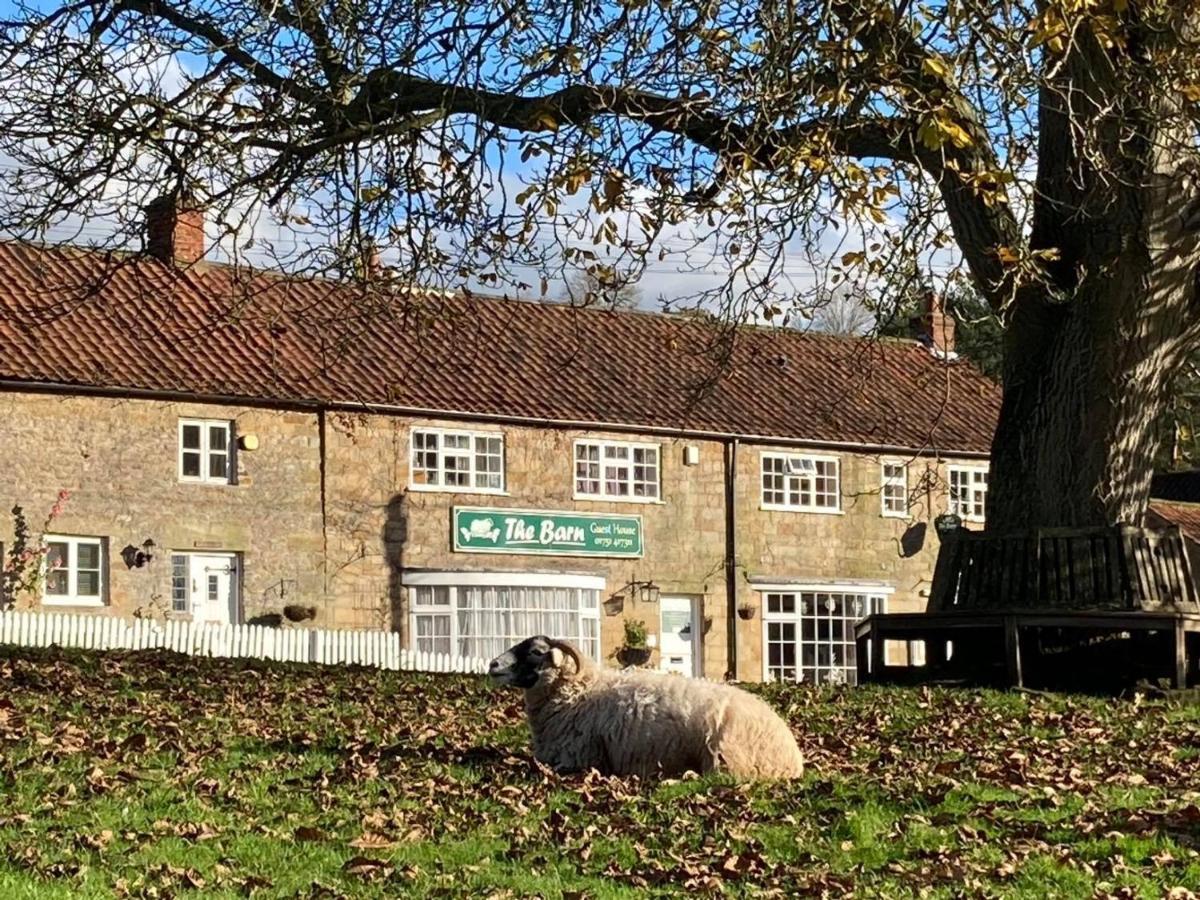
641 723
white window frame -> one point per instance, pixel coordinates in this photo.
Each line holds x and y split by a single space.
602 447
956 505
790 460
453 581
885 482
206 451
474 472
181 605
73 597
873 592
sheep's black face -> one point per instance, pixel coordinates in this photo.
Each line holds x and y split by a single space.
523 664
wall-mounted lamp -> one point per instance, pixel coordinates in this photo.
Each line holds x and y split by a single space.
247 441
646 591
135 558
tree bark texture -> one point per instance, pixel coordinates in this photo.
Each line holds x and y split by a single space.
1093 341
1088 371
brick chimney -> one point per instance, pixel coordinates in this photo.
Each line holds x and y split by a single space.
935 325
175 230
372 263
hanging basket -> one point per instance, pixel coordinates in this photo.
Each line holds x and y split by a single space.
633 656
746 613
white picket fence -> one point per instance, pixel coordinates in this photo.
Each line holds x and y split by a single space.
380 649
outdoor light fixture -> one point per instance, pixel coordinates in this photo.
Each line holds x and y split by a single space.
644 591
614 605
135 558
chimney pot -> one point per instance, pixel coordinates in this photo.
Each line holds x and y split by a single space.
175 229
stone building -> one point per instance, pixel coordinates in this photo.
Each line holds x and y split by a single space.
471 470
1175 500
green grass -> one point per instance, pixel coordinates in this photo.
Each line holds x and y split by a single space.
151 775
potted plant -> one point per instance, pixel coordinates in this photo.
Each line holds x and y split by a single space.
636 651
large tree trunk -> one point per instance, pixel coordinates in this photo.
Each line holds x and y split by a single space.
1096 334
1087 373
1076 439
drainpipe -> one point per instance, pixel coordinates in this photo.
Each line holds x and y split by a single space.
323 471
731 581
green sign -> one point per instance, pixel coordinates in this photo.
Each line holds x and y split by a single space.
538 531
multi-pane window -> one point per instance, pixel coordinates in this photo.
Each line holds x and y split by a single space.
616 470
458 460
809 634
482 621
74 570
179 583
807 483
968 491
205 451
894 490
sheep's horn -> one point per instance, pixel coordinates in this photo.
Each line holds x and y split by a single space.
571 652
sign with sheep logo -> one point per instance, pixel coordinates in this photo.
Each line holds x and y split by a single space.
478 530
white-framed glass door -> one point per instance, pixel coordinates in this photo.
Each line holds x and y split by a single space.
679 635
207 586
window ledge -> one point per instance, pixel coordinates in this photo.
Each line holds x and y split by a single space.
639 501
438 489
801 509
72 601
894 515
207 482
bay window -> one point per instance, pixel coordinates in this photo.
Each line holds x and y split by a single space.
480 615
808 633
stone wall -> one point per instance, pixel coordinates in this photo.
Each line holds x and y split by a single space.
857 544
378 526
345 549
119 460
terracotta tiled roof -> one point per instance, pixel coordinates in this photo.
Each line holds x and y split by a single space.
81 318
1185 515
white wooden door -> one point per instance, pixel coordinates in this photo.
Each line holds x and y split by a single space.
679 641
214 588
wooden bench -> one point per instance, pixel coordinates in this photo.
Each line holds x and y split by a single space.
992 594
937 630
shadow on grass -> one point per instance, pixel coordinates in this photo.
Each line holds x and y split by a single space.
404 753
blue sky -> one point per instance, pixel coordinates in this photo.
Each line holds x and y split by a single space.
669 278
